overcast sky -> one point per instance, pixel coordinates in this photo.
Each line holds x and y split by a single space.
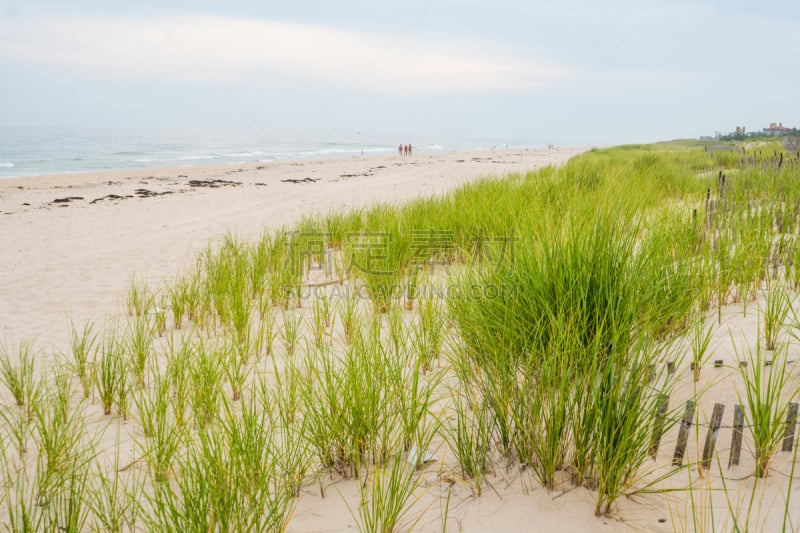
568 71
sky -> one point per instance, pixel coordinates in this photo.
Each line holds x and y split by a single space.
573 71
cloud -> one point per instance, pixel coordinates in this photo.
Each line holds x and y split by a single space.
198 48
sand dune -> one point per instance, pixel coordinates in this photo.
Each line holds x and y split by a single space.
71 244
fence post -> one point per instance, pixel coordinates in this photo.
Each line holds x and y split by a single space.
683 434
736 439
711 436
658 427
788 433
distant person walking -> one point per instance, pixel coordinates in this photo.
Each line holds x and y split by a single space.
405 150
400 150
409 149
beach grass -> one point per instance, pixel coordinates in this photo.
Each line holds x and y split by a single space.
524 321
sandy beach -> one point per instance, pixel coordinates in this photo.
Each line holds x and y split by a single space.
71 243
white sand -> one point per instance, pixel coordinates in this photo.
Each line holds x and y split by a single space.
80 259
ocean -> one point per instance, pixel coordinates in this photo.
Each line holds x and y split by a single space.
39 151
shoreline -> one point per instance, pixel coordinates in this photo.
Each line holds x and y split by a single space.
99 176
66 157
72 242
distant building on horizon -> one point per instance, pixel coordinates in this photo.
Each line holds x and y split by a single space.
776 129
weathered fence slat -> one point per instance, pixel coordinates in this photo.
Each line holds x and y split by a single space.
658 427
788 433
713 432
683 434
736 439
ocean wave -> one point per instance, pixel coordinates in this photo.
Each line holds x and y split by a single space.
7 165
332 151
255 153
193 157
172 159
349 150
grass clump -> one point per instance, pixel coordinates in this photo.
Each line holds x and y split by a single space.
163 433
777 307
428 334
109 369
700 339
561 341
227 480
768 391
470 440
205 374
16 372
385 504
140 298
139 346
83 345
